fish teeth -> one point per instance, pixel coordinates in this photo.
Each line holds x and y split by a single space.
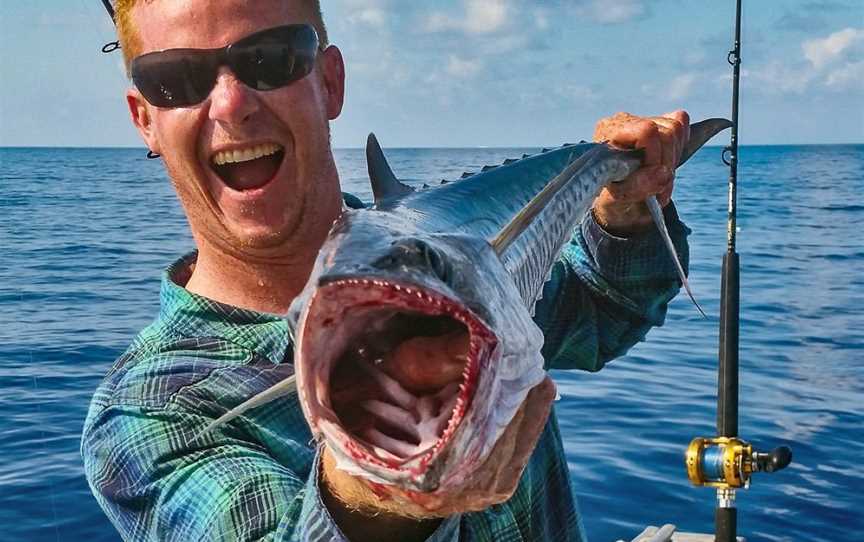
244 155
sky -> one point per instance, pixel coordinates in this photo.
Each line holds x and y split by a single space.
475 73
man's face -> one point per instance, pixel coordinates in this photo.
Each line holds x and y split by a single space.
252 168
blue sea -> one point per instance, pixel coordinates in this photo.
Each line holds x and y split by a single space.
85 234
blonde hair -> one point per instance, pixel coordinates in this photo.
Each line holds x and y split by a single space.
131 44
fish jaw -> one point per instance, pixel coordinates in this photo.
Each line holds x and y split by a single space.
338 313
489 306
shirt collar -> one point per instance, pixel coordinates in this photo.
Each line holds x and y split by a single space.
193 315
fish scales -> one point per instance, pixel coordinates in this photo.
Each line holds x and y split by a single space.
475 252
481 205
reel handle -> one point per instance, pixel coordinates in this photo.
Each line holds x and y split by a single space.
777 459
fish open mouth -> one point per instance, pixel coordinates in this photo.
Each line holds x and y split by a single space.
359 333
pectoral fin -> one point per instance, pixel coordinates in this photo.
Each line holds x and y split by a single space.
700 133
657 216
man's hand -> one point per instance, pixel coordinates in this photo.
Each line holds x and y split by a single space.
620 209
493 483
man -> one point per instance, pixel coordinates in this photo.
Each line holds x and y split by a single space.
247 147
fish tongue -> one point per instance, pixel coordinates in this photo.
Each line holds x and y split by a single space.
250 174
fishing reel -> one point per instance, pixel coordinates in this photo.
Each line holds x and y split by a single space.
728 462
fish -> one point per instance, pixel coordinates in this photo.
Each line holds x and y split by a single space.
466 258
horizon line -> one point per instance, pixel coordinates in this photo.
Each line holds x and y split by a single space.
484 147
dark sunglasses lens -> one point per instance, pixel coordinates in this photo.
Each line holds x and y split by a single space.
273 58
175 78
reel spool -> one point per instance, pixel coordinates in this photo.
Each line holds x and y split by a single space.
728 462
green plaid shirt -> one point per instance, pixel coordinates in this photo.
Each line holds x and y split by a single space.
257 477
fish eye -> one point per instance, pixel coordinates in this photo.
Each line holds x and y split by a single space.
436 263
415 252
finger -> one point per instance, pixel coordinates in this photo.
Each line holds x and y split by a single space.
683 120
664 197
525 430
637 134
538 404
670 132
537 408
496 476
679 115
607 125
641 184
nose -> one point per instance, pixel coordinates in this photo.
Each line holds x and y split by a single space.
231 101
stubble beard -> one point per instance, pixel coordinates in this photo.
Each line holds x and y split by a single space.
209 228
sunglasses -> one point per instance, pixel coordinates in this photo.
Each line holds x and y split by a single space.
265 60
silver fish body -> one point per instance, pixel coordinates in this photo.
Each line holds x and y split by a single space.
471 255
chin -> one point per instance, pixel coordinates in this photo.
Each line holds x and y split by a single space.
261 237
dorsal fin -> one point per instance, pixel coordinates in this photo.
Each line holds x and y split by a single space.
385 185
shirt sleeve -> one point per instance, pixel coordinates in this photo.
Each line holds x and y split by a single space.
607 292
157 478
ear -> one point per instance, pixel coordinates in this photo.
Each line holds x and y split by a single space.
139 109
333 76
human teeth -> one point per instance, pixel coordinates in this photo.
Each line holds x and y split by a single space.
244 155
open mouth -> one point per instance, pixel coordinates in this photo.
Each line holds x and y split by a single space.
249 168
393 409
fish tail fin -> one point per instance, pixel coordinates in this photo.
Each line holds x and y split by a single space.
700 133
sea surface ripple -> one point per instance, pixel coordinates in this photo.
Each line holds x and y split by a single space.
85 234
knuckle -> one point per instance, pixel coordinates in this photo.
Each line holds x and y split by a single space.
666 135
647 128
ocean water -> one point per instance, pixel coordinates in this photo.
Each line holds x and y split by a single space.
85 234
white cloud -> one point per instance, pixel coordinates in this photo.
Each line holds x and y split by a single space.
576 92
849 75
777 77
483 16
675 89
830 62
459 67
821 52
680 86
480 17
370 16
619 11
541 19
563 95
438 22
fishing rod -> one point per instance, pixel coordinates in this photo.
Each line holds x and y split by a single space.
726 462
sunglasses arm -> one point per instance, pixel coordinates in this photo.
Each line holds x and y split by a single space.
112 46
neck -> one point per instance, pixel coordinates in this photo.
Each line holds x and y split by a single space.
263 284
264 287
